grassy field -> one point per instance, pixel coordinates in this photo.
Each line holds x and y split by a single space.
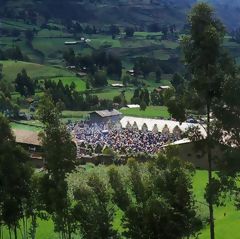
109 93
12 68
74 115
29 126
150 112
67 80
226 226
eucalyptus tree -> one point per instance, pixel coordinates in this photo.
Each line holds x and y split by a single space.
210 68
15 182
156 199
59 153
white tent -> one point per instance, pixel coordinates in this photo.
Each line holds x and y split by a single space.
160 124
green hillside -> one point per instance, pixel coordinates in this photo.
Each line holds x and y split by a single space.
35 71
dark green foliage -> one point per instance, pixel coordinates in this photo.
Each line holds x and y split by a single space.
95 64
99 79
143 105
236 35
156 98
177 82
114 30
141 95
211 70
60 154
69 57
129 31
156 199
158 75
15 180
93 209
71 99
7 108
24 84
29 35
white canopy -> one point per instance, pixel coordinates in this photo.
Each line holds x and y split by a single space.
128 121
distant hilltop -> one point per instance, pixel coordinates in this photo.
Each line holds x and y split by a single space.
122 12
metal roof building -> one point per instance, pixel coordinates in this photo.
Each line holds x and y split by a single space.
105 115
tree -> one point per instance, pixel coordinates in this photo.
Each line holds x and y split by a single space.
69 57
209 67
177 82
114 66
156 98
114 30
143 105
1 70
24 84
99 79
15 180
93 206
60 154
125 80
158 75
156 198
129 31
29 34
236 35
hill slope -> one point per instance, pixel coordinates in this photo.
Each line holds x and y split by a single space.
124 12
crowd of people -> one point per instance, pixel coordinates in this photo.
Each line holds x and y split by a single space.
123 141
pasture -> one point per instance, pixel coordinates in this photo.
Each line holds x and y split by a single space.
150 112
29 126
35 71
67 80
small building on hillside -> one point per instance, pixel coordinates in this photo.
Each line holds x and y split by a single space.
131 72
105 116
117 85
71 43
162 88
30 141
133 106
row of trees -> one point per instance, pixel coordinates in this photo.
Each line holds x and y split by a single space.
152 200
71 99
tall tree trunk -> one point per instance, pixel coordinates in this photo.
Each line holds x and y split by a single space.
10 233
15 232
209 156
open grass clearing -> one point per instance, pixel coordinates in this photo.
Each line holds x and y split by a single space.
54 47
35 71
67 114
150 112
25 126
110 93
67 80
98 41
19 25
